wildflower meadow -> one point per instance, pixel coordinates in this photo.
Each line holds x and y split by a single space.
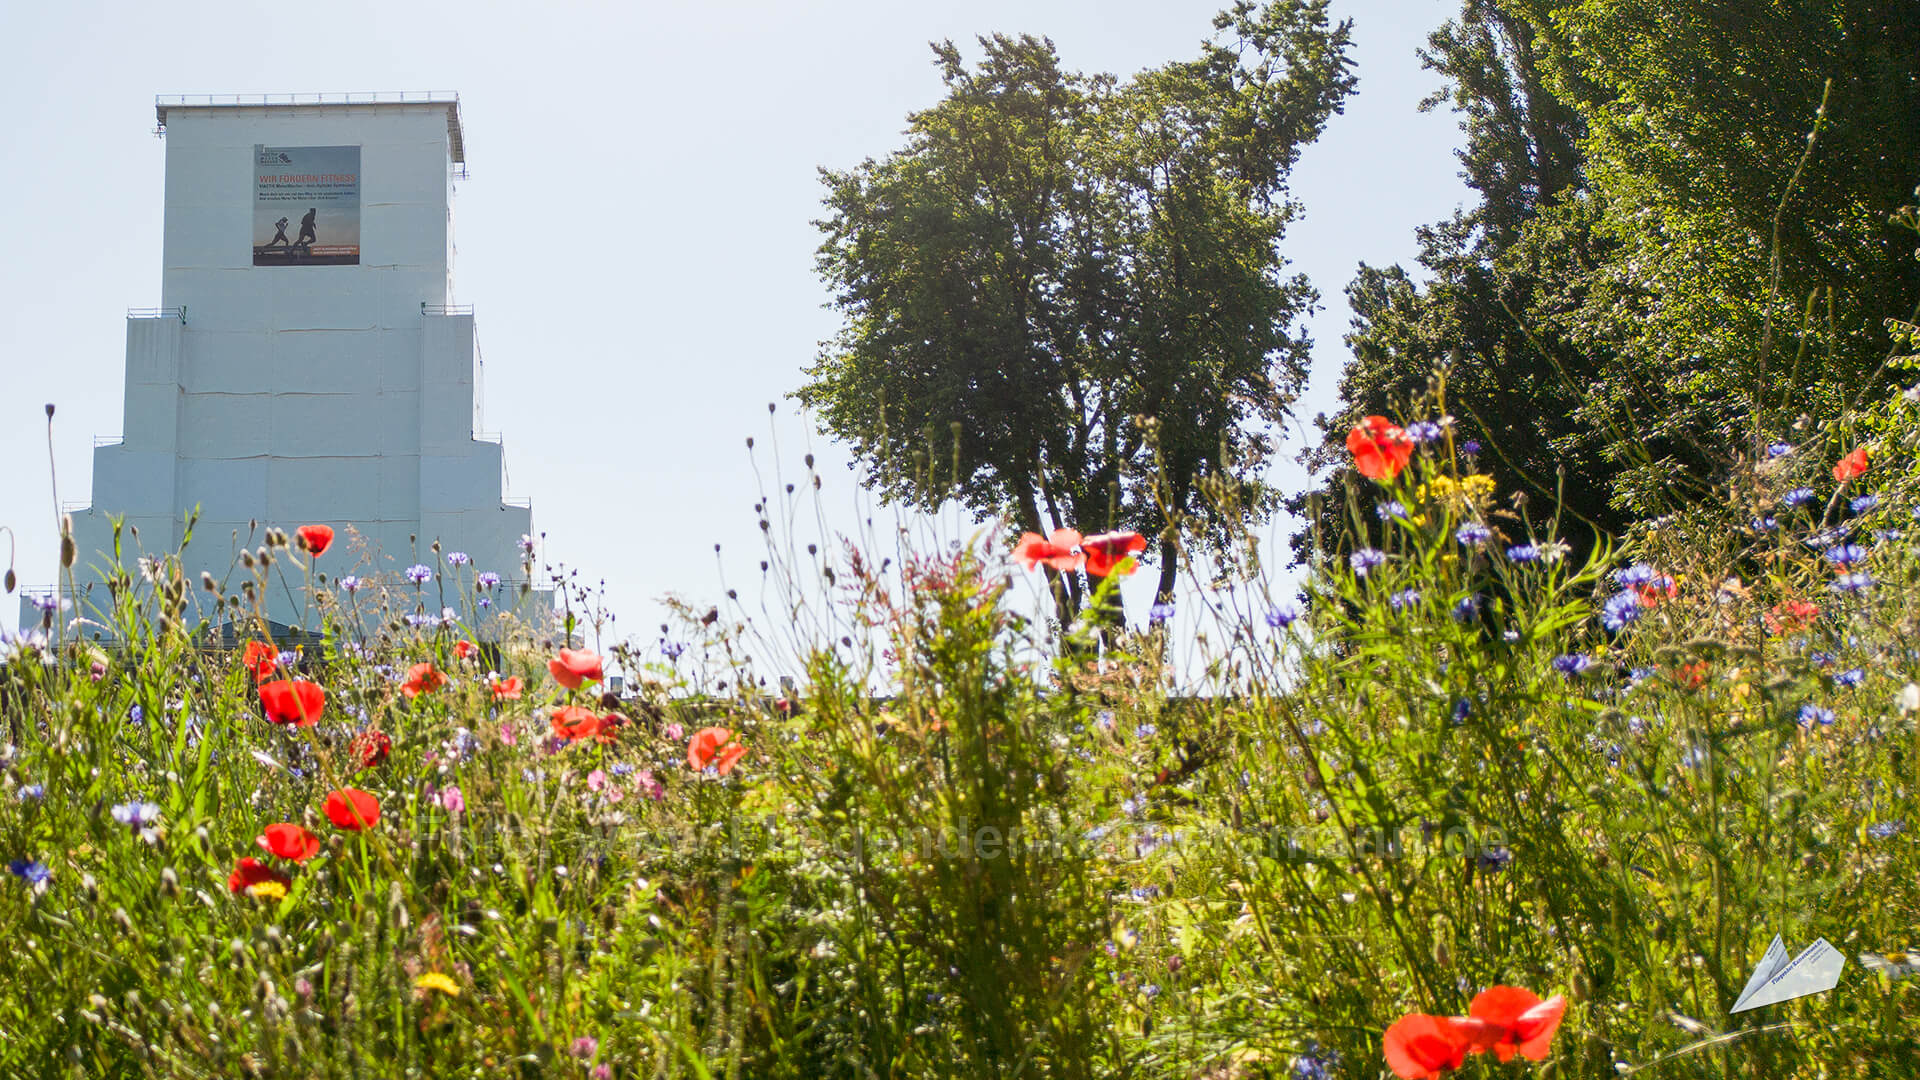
1452 804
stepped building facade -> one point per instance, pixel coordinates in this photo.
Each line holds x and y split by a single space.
306 365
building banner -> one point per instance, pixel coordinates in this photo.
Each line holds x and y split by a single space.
306 206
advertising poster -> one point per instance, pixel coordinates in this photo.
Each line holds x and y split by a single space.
306 206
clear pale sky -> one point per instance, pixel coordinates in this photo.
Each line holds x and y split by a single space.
635 237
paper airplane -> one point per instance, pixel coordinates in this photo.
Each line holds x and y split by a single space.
1815 971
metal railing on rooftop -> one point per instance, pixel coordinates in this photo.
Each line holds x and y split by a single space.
446 309
157 313
352 97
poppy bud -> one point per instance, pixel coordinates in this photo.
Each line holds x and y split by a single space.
207 582
246 559
169 883
49 410
11 580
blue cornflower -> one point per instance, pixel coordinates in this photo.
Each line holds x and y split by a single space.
1144 892
1863 503
1494 859
1314 1063
1145 731
672 649
1620 610
1471 448
350 583
32 872
1283 616
1764 524
136 815
419 574
33 791
1524 553
1133 806
137 714
1796 497
1103 719
1572 665
1387 511
287 658
1404 599
486 579
1779 449
1852 583
1821 658
1472 533
422 621
1424 431
1845 554
1634 576
1461 710
1466 608
1366 559
1886 829
484 602
458 558
1159 613
1811 714
1694 758
1850 677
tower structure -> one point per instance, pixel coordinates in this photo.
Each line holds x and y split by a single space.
306 364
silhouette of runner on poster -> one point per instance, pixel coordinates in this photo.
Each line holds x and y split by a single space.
294 184
280 234
307 236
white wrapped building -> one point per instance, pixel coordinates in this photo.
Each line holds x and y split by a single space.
306 363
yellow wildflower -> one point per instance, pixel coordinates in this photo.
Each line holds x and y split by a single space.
268 890
434 980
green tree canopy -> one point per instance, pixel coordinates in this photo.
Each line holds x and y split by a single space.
1624 309
1054 258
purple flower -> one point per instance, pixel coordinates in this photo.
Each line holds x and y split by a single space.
1863 503
1634 576
1159 613
350 583
1885 829
458 558
1524 553
1811 714
32 872
1283 616
1853 583
35 792
136 815
1850 677
419 574
1466 608
1494 859
1779 449
452 801
672 649
1620 610
1424 431
1387 511
585 1047
1572 665
1472 534
1366 559
486 579
1845 554
1764 524
1471 448
1796 497
1404 599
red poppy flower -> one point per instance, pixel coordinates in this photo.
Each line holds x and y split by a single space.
1055 550
288 841
422 679
1105 551
352 809
250 871
315 538
1851 466
260 658
507 689
371 747
1790 615
293 701
712 748
573 722
1380 448
575 666
464 649
1421 1047
1691 676
1520 1022
1660 588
